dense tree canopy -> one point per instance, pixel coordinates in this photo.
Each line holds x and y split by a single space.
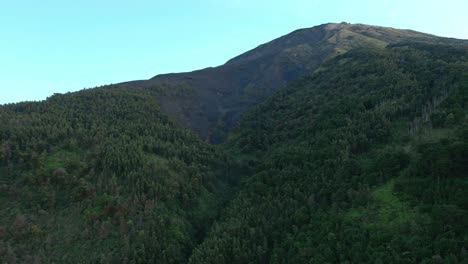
102 171
348 166
364 160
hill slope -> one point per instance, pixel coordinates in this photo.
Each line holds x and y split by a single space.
363 161
211 101
102 175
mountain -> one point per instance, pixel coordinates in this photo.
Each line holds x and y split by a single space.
211 101
354 150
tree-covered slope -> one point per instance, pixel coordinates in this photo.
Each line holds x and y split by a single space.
102 176
363 161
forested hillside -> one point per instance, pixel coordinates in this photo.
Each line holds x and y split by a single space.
102 176
363 161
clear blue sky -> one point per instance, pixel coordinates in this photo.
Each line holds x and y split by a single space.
50 46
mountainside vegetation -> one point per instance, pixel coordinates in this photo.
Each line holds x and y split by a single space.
102 175
361 158
363 161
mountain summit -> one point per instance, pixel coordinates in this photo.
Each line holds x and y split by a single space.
210 101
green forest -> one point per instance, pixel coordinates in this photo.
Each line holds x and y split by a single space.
101 175
363 160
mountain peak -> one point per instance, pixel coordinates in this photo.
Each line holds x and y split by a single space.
343 36
221 94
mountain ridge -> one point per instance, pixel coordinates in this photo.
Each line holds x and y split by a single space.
220 95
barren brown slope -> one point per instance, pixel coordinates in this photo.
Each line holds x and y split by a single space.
210 101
